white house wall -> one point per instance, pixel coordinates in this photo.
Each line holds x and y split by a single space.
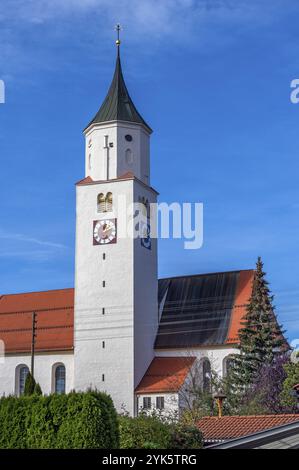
171 404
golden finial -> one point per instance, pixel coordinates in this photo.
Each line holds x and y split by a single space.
118 29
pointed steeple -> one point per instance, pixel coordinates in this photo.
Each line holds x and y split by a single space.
118 105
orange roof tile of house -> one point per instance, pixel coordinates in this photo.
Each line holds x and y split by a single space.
165 374
55 320
216 429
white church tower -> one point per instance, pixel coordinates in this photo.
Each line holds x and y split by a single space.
116 307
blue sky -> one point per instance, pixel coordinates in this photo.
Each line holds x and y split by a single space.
212 78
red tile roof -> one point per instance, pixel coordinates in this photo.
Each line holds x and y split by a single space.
230 427
165 374
243 294
86 180
55 320
55 323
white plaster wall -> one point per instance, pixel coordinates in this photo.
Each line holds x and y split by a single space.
116 360
43 367
216 355
130 298
145 295
171 404
96 165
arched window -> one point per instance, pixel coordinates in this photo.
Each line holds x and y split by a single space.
60 379
227 365
22 372
105 203
101 203
109 201
129 156
206 375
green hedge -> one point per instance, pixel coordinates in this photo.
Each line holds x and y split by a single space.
73 421
149 432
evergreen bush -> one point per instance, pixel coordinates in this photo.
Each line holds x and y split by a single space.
73 421
150 432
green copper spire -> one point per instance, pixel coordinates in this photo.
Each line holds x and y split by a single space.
118 105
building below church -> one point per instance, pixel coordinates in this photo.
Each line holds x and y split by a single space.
121 330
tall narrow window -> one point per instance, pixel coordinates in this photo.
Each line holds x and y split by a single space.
101 203
60 379
109 201
147 403
160 403
24 371
228 363
129 156
206 375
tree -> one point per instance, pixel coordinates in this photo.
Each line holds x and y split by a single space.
29 385
261 337
264 396
37 389
292 378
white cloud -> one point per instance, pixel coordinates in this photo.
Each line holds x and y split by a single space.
30 255
88 25
159 18
23 238
17 245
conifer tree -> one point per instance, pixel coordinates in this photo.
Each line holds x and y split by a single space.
261 337
29 385
37 389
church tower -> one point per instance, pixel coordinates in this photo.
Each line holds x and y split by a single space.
116 310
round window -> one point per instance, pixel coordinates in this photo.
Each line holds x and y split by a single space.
128 138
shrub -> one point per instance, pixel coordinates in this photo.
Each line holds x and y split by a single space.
144 432
149 432
73 421
186 437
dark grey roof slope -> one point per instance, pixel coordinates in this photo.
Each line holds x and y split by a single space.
118 105
197 309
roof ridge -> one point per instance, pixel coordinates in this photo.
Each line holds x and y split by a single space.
36 292
206 274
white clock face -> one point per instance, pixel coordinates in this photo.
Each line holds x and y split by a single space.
104 231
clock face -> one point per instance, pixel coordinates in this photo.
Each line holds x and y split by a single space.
145 237
104 231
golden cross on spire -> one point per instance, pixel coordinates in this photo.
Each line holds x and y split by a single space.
118 28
